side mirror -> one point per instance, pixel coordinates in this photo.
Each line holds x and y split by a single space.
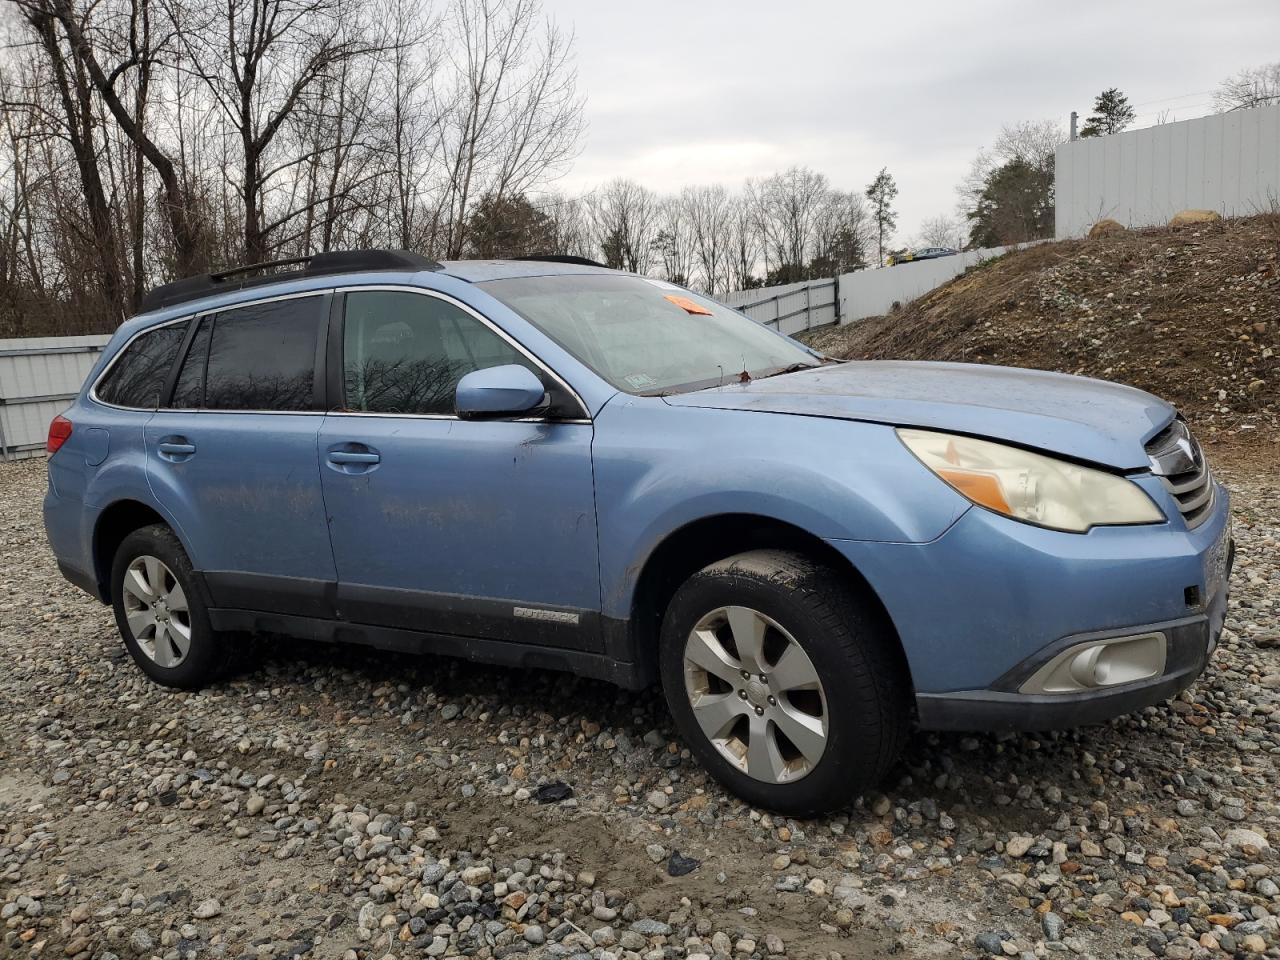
499 391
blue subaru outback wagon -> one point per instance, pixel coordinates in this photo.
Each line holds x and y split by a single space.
548 463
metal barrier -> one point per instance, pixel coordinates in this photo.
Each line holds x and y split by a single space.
853 296
39 376
791 307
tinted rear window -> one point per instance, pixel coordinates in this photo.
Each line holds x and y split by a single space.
262 357
137 377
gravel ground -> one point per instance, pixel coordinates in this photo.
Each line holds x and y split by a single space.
350 803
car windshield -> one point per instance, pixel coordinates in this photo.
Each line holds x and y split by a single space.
647 336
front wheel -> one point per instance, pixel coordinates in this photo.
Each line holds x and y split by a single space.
784 681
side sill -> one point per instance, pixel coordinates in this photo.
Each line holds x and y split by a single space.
582 663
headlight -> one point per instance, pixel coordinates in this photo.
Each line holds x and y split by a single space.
1028 486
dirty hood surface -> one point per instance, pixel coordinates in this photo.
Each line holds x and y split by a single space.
1084 419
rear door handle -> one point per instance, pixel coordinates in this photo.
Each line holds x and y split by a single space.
176 449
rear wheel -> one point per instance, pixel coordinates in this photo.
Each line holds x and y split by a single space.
784 681
161 614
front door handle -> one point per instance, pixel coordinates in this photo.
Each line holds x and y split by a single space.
352 458
343 456
176 449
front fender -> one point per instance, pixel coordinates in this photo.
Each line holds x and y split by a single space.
659 468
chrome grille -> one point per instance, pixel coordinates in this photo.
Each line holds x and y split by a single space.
1176 458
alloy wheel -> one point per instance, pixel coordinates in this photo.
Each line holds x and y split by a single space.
157 612
755 694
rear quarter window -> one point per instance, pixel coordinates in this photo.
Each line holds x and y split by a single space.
137 377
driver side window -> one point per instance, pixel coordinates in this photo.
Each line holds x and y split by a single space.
405 352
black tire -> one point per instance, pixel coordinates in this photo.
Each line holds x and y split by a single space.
210 654
853 651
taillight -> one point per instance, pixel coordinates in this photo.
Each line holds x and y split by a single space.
59 431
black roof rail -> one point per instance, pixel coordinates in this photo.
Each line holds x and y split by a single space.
316 265
566 258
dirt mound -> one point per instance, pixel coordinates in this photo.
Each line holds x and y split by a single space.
1189 313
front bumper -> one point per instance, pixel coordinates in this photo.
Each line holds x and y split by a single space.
983 607
1191 642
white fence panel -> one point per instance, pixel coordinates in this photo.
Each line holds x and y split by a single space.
39 376
793 307
789 307
1228 162
739 297
872 293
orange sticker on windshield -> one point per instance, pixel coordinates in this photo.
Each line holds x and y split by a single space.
687 305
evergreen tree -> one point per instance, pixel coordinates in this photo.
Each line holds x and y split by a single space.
1015 205
508 227
1111 114
881 193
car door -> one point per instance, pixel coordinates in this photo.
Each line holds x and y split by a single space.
473 528
233 458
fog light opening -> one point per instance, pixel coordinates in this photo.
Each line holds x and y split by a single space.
1099 664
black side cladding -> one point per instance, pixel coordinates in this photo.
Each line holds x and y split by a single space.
318 265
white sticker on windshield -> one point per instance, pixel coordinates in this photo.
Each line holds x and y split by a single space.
639 380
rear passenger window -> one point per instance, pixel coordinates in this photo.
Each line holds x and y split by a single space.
406 352
138 376
261 357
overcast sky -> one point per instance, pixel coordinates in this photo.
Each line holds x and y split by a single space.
706 91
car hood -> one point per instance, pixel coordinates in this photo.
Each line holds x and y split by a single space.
1084 419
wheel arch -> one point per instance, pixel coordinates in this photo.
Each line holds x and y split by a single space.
687 549
113 524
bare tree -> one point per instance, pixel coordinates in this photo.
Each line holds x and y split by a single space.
140 139
624 221
1251 87
843 235
262 61
673 241
1031 141
74 93
743 242
413 127
140 51
787 206
27 179
709 211
569 225
514 118
941 231
334 138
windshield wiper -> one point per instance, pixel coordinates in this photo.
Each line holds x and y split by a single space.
791 368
